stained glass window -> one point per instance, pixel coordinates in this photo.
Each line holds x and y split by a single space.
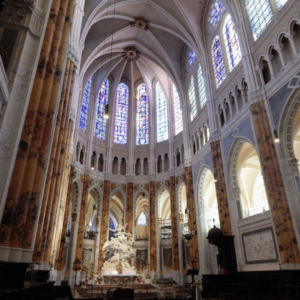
218 61
192 57
111 226
94 227
216 12
121 114
142 134
280 3
142 220
232 43
177 111
192 98
85 105
201 87
161 114
260 15
68 225
100 122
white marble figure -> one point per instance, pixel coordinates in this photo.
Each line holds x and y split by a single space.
119 248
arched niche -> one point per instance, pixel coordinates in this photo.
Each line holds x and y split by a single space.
117 206
249 180
142 217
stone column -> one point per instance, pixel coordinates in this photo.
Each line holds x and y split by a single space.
59 263
152 238
85 179
104 222
222 199
129 208
283 226
193 243
26 183
174 214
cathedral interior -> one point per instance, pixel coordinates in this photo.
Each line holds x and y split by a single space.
171 126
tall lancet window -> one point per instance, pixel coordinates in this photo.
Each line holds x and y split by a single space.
121 114
232 43
218 61
260 15
161 114
280 3
142 220
142 115
85 105
177 111
192 98
100 122
201 87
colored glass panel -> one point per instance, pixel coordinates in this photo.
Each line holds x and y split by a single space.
177 111
85 105
280 3
216 12
192 57
260 15
142 220
142 115
100 122
201 87
111 226
192 98
232 43
218 61
94 227
121 114
161 115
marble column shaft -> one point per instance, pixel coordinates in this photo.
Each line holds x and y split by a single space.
59 264
85 179
104 222
284 229
220 184
129 207
194 253
40 141
152 240
174 214
12 199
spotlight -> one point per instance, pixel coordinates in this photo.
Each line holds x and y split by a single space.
276 137
215 177
106 113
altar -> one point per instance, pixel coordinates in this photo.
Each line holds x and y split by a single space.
119 279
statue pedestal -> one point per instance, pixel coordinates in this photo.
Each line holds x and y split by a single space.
117 279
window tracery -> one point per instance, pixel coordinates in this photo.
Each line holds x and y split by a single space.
218 61
192 98
260 15
142 134
177 111
232 43
142 220
216 12
121 121
201 87
192 57
161 114
100 122
85 105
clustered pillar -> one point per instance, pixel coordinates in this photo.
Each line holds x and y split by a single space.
21 210
129 207
221 188
284 229
153 266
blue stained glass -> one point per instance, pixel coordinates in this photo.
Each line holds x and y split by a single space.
232 43
260 15
94 227
280 3
111 226
121 122
68 225
142 134
218 61
192 98
201 87
216 12
161 115
192 57
100 122
177 111
85 105
142 220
